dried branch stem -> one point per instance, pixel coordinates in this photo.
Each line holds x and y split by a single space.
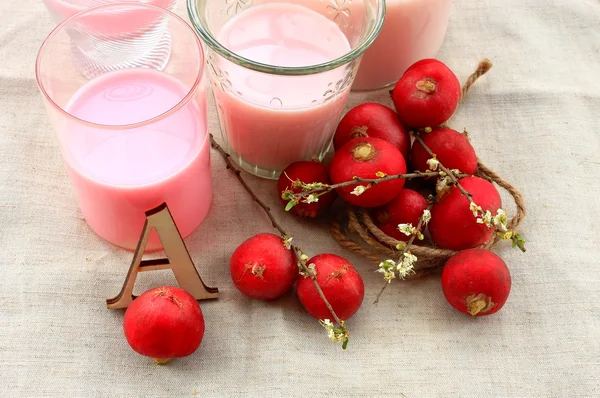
357 180
297 251
405 249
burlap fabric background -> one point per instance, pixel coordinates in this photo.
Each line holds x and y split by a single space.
534 119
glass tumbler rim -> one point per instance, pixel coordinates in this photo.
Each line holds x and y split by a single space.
184 101
215 45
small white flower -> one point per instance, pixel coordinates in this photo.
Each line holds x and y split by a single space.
405 266
387 268
303 257
426 216
407 229
500 220
336 335
312 198
287 242
486 219
311 271
443 185
359 190
315 185
433 164
475 209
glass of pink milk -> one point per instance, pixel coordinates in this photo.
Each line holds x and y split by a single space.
413 30
281 71
147 34
132 137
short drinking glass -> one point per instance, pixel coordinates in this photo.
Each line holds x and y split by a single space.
132 137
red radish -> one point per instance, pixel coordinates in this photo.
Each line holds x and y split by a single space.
341 284
427 94
263 268
453 225
307 172
406 208
365 158
476 282
164 323
451 148
372 120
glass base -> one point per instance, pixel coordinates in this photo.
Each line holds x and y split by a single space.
258 171
366 90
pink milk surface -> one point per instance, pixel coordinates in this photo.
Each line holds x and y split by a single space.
412 30
120 174
271 121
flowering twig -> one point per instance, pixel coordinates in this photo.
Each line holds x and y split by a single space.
340 333
498 222
407 259
311 191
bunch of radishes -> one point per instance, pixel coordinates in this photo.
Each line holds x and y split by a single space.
373 150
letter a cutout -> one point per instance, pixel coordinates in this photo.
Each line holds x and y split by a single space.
178 260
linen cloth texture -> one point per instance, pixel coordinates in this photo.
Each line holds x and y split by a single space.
534 119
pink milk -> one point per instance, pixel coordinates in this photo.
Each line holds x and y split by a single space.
119 174
269 120
412 30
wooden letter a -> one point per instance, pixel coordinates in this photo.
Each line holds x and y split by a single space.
178 259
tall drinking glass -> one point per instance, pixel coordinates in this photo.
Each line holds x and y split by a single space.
149 40
281 71
135 137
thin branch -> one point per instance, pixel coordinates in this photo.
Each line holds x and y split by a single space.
515 237
297 251
406 248
324 188
237 172
444 169
308 271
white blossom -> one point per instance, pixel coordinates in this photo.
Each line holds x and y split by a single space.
407 229
475 209
500 220
405 266
287 242
311 198
336 335
387 268
426 217
443 185
486 218
433 164
359 190
312 272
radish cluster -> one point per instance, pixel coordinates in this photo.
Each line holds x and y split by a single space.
373 141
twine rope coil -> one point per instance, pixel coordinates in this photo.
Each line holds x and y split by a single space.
377 246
